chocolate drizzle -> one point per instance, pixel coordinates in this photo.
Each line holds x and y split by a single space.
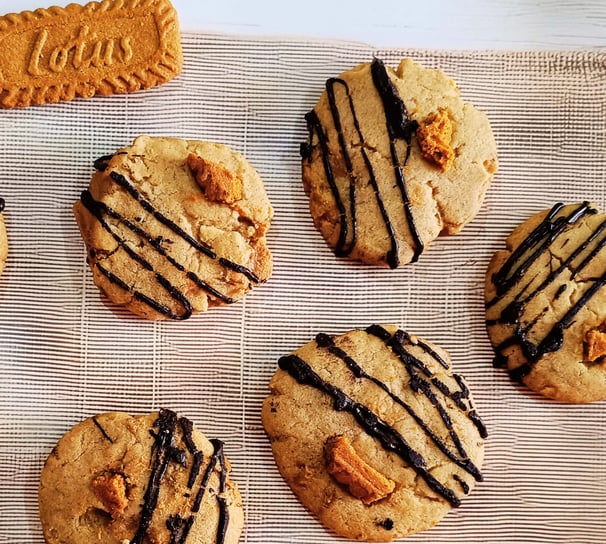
179 528
165 452
516 277
423 381
110 219
102 430
2 204
399 127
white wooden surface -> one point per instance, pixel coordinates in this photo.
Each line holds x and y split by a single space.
441 24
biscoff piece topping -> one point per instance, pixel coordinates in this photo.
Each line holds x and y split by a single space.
348 468
110 489
434 136
595 344
217 183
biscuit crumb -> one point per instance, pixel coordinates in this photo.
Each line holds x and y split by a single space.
595 344
110 489
347 468
217 183
434 136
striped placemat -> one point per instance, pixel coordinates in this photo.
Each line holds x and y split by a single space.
67 354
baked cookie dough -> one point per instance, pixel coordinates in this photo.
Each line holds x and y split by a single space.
173 227
393 160
117 479
373 432
546 303
3 238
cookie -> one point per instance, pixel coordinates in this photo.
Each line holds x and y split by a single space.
3 238
102 48
373 432
394 159
116 478
173 227
546 303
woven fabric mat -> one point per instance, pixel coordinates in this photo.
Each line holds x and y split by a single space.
67 354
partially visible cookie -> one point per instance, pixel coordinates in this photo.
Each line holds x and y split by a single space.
374 432
394 159
3 238
546 303
116 478
175 226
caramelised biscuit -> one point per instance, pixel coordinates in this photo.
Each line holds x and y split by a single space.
394 159
3 238
374 432
116 478
102 48
546 303
174 226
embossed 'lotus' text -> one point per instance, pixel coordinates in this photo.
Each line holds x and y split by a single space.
83 51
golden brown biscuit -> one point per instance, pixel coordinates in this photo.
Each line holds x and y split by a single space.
116 478
546 303
114 46
374 432
394 158
174 226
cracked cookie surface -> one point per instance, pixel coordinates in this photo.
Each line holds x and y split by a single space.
116 478
374 432
546 303
375 194
173 227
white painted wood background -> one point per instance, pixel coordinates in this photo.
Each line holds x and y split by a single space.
433 24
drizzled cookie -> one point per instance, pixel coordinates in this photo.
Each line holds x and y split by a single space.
394 159
374 432
115 478
173 227
546 303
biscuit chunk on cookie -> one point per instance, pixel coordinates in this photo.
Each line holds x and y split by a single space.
394 158
173 227
546 303
374 432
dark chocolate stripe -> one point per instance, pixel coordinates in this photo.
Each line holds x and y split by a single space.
326 342
100 209
536 243
346 241
149 207
513 275
2 204
102 430
464 485
390 439
163 442
196 244
179 528
187 428
398 126
160 308
222 501
217 458
555 337
165 452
